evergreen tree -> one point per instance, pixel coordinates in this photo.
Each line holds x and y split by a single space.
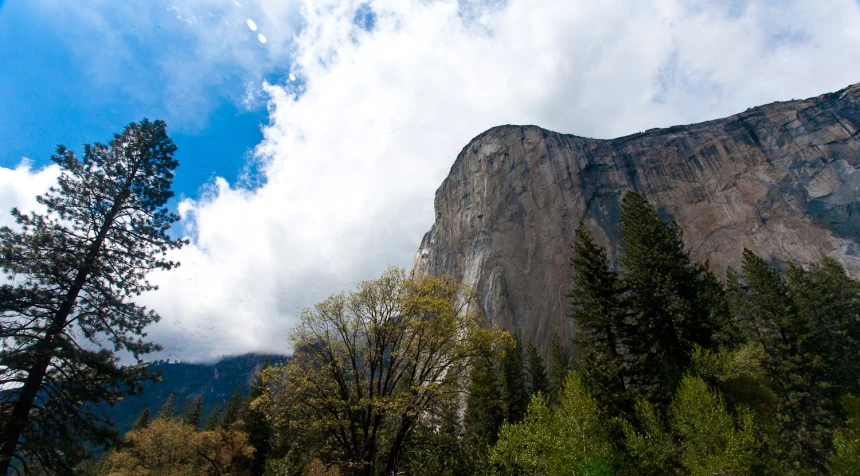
233 411
559 366
72 273
516 396
168 410
142 420
798 322
191 412
485 410
213 420
671 300
255 425
829 300
598 309
538 382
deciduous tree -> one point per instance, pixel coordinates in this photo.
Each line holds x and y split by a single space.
370 364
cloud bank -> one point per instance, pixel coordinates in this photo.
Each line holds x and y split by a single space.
387 92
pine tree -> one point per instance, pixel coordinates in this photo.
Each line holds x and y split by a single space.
485 410
72 273
516 396
559 367
191 412
168 410
789 316
599 310
830 300
671 300
213 420
538 382
255 425
142 420
233 411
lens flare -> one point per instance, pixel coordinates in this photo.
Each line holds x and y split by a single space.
252 25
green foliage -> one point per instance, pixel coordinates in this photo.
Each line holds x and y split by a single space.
213 420
142 420
846 441
538 382
552 441
191 413
255 424
698 436
370 366
672 301
713 441
233 410
803 321
559 366
73 272
649 445
168 410
515 393
599 310
485 409
738 375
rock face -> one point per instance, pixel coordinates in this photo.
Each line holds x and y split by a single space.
782 180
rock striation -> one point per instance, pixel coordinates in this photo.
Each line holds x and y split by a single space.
782 180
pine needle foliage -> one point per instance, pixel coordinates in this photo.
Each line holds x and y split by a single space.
67 306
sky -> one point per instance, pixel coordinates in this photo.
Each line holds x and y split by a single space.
313 134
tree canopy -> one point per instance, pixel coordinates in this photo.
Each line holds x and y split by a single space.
67 306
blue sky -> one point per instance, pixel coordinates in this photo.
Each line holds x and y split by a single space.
51 95
352 112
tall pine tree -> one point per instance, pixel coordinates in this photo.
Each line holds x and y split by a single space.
803 321
233 410
558 367
191 412
255 425
72 273
485 409
671 300
599 310
516 394
168 410
538 382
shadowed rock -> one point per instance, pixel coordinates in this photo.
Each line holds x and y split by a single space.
782 180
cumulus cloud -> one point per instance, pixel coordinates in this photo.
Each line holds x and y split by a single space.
381 105
19 187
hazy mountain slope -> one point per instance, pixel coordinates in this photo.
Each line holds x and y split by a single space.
215 382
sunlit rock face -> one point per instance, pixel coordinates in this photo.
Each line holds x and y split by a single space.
782 180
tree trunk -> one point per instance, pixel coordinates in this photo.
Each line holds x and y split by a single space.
20 414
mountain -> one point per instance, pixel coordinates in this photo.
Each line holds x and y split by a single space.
215 382
782 180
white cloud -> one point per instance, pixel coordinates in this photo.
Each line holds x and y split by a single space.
19 187
352 160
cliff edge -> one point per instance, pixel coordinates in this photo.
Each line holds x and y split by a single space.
782 180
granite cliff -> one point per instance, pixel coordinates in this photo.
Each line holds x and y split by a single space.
782 180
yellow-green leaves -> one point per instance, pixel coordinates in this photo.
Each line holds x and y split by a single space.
373 364
568 439
714 441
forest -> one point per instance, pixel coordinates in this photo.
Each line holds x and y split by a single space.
673 369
